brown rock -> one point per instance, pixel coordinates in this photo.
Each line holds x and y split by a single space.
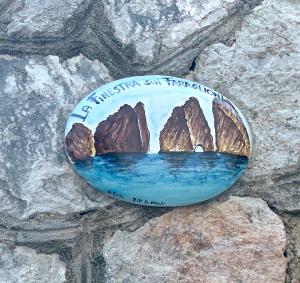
144 132
198 126
124 131
239 240
231 134
175 135
186 129
79 142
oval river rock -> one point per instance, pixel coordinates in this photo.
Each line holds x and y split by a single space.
158 140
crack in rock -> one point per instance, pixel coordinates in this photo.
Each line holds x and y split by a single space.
77 239
131 39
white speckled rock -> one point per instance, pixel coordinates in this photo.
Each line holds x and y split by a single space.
260 72
30 18
23 264
38 95
125 35
202 244
157 28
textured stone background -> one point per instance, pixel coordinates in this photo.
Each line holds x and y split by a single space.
55 228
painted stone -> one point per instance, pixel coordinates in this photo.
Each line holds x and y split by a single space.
158 141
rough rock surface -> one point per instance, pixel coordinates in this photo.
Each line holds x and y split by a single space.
260 73
122 131
202 244
186 129
231 134
126 36
30 20
248 50
160 30
79 142
22 264
38 94
292 224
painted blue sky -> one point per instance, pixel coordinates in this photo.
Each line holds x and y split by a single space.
159 101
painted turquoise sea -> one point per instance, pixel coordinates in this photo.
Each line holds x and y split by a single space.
163 179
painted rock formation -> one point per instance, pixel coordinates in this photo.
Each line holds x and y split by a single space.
124 131
175 135
231 134
142 122
79 142
198 126
186 129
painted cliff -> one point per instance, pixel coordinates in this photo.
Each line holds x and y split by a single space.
124 131
231 134
79 142
186 129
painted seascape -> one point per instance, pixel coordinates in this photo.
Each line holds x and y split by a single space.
159 144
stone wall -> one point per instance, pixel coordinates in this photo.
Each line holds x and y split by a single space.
55 228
